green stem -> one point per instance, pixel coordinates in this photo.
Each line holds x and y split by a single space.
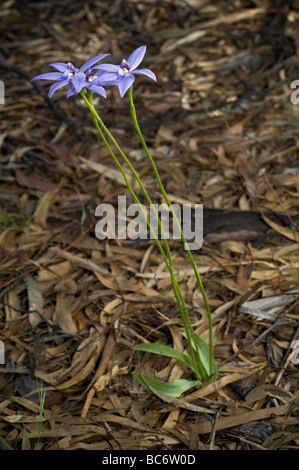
154 167
176 289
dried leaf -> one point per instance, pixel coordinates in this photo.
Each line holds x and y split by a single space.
63 314
286 232
242 281
205 427
270 390
35 300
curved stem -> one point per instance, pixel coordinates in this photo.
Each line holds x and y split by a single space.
160 184
179 298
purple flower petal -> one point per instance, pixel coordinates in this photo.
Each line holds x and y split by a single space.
107 67
48 76
78 81
91 62
109 82
60 66
97 89
146 72
124 85
136 57
105 79
57 85
71 91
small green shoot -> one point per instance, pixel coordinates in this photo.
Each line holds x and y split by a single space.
180 385
3 445
204 351
42 396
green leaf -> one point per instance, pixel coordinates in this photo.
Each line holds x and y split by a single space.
172 389
164 350
7 219
204 351
3 445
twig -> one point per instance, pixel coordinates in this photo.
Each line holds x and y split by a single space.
86 264
23 73
213 433
264 333
106 356
110 434
246 441
27 312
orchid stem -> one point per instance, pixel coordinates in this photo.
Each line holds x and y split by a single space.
160 184
178 295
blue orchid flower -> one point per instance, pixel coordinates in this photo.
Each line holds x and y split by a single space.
68 74
123 75
93 82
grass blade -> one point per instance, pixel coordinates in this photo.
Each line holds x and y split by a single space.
167 351
204 351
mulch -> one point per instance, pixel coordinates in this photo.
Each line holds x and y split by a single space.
224 133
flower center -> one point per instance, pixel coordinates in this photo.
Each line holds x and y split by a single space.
89 75
70 71
124 68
